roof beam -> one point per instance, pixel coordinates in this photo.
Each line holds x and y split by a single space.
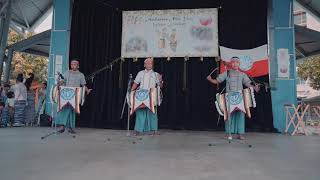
25 44
35 52
41 17
16 29
311 33
309 8
313 53
301 51
304 58
18 24
307 42
23 15
4 5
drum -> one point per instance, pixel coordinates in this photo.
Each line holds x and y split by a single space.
144 98
63 95
231 102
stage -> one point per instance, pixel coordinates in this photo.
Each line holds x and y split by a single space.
180 155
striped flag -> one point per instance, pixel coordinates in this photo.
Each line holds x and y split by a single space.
253 62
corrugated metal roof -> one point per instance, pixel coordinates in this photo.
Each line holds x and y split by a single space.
27 14
313 6
38 44
307 42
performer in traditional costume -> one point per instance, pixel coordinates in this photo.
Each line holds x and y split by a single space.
235 80
146 120
71 78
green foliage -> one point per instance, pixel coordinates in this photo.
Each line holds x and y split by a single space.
27 63
310 68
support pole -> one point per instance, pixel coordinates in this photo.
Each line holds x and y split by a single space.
59 45
8 66
281 37
4 34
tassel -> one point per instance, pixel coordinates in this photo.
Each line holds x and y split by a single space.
135 59
185 73
120 75
218 71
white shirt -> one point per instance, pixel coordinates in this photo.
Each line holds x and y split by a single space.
20 92
10 102
147 79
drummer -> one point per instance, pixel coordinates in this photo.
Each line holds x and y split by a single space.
146 120
235 79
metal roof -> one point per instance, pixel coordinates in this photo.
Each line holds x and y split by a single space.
312 6
307 42
38 44
27 14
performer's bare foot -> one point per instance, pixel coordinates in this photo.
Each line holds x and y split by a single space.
61 129
71 131
155 133
135 134
228 136
241 137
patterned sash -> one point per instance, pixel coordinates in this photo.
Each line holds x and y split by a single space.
143 98
73 96
231 102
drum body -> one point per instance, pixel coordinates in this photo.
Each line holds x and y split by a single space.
144 98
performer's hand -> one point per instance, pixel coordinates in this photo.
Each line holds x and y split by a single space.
89 91
209 78
60 83
160 80
256 88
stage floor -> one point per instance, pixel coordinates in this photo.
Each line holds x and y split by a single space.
97 154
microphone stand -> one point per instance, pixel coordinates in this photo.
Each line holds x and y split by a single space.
53 121
126 102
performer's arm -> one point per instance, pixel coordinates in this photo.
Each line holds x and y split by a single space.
136 81
83 84
213 81
134 86
219 79
160 80
248 83
88 91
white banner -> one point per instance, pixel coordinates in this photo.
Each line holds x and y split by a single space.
170 33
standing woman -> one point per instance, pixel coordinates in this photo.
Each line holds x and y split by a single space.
41 101
20 101
30 108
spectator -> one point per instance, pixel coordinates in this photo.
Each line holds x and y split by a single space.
9 109
20 101
2 122
41 102
30 108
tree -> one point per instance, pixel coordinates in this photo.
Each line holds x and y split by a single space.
27 63
310 68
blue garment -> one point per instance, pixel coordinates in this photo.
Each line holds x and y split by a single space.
19 111
236 123
30 108
66 117
3 98
146 121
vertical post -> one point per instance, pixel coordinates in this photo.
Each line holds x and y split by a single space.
59 45
8 66
4 34
281 36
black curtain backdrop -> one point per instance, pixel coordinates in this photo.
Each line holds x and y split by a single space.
96 41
